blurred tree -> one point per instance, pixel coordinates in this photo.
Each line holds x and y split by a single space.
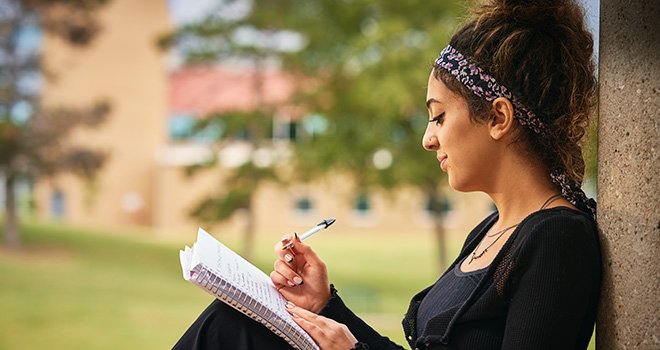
373 59
32 137
214 39
362 68
241 183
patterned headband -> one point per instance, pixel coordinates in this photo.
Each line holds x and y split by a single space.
573 193
485 86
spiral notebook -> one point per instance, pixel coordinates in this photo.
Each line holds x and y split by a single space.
224 274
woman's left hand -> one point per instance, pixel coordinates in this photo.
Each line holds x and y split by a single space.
327 333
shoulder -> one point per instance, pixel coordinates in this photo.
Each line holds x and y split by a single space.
554 249
558 231
558 221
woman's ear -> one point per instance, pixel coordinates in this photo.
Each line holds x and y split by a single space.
501 118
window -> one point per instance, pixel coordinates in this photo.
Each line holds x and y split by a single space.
293 130
285 129
434 205
180 127
315 124
57 204
187 127
362 205
304 205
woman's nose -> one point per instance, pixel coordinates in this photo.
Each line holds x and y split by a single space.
430 142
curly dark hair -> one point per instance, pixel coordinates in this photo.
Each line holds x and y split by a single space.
542 51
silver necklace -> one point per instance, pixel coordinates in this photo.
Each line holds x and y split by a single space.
500 233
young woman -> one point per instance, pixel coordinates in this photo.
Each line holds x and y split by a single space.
508 102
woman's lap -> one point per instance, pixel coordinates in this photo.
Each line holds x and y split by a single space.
220 327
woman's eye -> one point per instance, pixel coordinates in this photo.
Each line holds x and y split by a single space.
438 119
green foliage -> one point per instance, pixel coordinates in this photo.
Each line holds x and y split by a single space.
71 20
242 182
253 126
590 151
373 60
238 192
363 65
221 207
32 137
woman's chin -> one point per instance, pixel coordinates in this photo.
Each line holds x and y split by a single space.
455 185
460 186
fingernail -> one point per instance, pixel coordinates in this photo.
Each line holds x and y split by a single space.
291 284
288 258
290 305
297 280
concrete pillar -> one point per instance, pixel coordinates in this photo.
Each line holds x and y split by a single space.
629 174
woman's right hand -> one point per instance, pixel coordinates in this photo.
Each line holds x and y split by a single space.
300 275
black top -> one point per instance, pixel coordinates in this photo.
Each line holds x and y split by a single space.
450 290
540 292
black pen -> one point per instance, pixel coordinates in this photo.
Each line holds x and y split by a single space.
320 226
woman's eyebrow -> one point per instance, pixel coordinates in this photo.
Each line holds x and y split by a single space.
431 100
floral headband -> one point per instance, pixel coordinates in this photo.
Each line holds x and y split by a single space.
485 86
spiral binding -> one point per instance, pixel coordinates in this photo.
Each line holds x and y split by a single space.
232 296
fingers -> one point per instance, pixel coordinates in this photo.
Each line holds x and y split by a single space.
310 320
327 333
284 275
285 241
300 312
291 249
299 275
285 249
284 269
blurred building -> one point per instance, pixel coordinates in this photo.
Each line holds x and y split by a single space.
144 182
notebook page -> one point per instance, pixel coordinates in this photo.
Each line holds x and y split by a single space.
185 256
222 261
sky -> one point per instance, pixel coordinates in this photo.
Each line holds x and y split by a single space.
184 11
592 10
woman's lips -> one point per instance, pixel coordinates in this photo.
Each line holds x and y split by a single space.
443 161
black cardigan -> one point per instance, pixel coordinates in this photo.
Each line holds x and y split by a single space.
540 292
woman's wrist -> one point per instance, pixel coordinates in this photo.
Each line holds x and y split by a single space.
323 300
330 301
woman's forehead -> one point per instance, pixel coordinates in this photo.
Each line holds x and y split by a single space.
437 92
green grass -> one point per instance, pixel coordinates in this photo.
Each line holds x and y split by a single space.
71 288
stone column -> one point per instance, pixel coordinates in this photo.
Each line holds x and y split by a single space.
629 174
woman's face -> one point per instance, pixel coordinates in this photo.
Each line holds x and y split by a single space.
463 147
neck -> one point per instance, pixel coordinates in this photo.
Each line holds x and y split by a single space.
520 190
